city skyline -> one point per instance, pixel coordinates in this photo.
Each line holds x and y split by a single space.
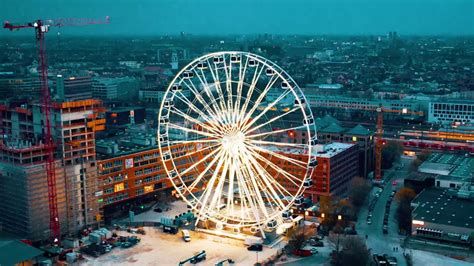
209 17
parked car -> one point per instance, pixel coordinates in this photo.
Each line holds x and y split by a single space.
314 251
158 210
255 247
302 252
379 260
317 244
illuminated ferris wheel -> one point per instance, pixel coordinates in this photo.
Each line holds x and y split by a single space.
226 138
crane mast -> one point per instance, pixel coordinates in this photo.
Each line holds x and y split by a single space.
41 27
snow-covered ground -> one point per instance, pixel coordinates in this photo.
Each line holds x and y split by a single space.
158 248
433 259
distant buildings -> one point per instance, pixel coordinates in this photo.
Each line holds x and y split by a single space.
117 88
73 86
451 112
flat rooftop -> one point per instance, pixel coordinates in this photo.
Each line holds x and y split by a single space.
449 166
439 206
320 150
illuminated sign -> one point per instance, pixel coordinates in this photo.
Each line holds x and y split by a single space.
418 222
128 163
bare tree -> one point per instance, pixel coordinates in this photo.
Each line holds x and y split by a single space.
297 237
403 213
360 188
349 250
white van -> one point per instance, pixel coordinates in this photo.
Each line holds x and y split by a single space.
186 235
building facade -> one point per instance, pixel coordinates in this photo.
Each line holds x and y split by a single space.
461 112
23 158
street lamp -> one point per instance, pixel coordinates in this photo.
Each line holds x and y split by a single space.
339 217
322 215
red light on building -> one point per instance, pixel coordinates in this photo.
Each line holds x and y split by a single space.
291 133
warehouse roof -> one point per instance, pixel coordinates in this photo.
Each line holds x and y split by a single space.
440 207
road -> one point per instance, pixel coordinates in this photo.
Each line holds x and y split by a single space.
378 242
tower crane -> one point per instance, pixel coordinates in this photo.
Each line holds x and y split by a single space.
41 27
379 142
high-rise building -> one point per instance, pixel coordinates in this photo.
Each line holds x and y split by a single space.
23 179
71 86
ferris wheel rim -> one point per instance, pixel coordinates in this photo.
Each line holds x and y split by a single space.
191 66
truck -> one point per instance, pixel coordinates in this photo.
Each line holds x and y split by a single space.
251 240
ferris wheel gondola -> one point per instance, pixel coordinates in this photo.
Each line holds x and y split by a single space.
221 139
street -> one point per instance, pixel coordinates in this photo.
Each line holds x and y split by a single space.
378 242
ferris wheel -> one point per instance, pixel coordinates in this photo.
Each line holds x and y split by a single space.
226 136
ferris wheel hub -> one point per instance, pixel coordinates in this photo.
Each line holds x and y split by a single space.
234 142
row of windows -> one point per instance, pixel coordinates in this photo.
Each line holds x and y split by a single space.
147 170
146 156
453 107
117 197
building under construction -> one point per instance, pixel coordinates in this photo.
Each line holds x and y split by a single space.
23 175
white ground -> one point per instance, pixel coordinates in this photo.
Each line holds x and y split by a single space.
433 259
158 248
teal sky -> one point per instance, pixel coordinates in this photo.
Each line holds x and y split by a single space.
150 17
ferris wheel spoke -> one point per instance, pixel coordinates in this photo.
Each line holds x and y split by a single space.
217 83
272 143
252 177
205 158
259 99
243 198
248 195
268 107
278 155
202 133
218 189
207 191
208 91
201 100
276 131
280 170
259 174
203 173
230 189
209 126
197 141
256 76
211 120
271 120
267 177
228 85
240 84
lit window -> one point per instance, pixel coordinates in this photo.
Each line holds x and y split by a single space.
148 188
119 187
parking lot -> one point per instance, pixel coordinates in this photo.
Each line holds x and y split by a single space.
158 248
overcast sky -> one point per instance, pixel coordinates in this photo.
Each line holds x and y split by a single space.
148 17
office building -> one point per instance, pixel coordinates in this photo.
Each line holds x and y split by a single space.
452 112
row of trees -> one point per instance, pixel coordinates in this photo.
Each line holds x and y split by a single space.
403 213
